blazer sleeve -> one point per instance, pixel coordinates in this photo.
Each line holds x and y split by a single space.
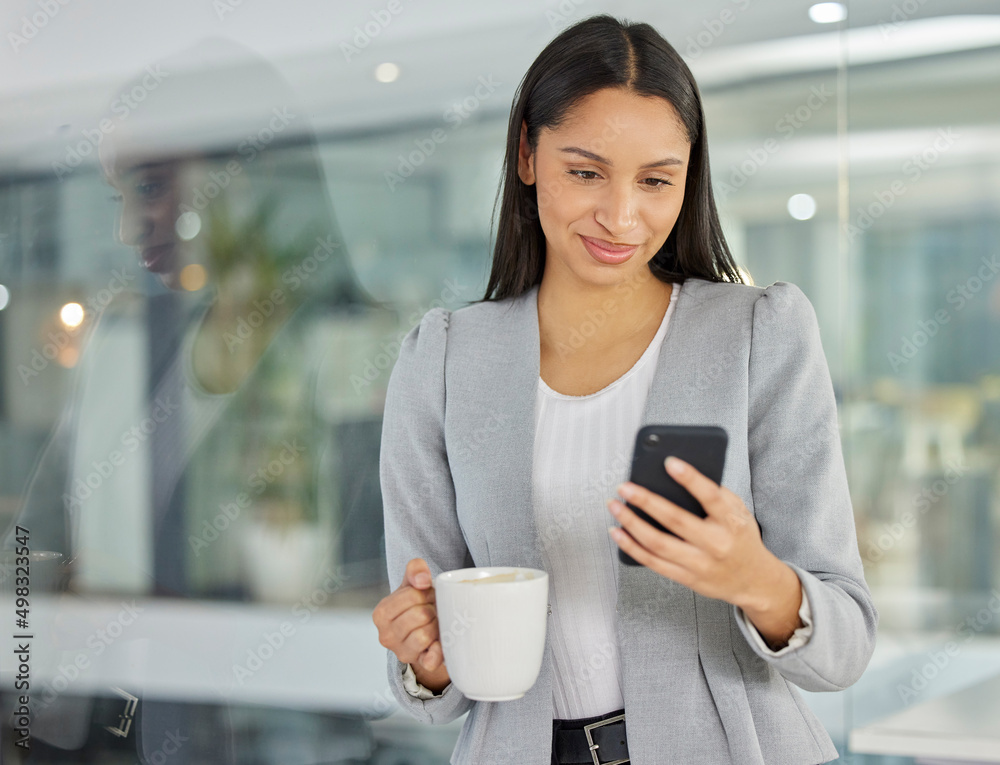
800 493
418 495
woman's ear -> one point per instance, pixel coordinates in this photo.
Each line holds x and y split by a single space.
525 165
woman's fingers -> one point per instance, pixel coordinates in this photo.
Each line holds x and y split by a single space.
650 537
407 618
393 605
419 640
653 562
714 555
700 486
433 657
418 574
415 630
684 524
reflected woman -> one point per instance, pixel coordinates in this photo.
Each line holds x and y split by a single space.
215 446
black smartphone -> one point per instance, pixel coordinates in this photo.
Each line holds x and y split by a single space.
702 446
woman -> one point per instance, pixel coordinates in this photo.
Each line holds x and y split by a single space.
610 264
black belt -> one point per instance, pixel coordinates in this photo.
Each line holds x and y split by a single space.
590 741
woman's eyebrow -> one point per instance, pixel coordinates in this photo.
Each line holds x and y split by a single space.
598 158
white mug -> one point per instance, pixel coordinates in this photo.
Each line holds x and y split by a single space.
492 622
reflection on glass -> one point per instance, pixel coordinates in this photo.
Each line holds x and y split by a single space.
216 442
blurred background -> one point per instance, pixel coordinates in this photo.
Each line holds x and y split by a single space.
190 406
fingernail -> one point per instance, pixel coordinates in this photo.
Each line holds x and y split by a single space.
614 507
675 466
422 579
625 490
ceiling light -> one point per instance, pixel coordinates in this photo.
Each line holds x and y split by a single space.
822 51
828 13
387 72
801 206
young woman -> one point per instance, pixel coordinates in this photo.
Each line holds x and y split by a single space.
614 302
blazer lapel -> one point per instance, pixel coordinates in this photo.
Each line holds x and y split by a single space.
490 429
679 383
695 362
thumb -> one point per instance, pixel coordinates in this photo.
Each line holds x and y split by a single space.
418 574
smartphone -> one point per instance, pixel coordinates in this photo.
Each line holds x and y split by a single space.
701 446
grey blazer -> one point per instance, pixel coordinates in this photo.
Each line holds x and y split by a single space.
456 463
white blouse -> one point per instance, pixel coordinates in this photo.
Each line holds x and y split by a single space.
582 452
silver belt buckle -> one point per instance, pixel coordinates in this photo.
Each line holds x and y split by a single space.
594 747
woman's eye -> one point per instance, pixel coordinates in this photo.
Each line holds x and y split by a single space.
585 175
657 182
150 189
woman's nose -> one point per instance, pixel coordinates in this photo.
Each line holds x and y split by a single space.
134 228
617 210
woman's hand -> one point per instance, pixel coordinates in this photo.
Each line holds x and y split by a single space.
720 556
407 625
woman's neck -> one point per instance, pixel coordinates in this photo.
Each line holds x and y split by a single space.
589 321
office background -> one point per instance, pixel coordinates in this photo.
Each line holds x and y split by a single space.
216 554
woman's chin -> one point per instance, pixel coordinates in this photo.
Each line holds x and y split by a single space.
171 280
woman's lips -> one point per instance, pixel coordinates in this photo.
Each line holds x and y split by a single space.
158 259
604 251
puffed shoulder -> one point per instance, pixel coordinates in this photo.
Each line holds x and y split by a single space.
786 349
425 343
784 303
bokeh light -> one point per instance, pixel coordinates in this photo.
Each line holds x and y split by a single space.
72 315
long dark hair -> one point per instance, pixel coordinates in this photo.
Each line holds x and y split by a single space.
603 52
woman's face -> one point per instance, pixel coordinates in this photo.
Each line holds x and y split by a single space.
149 197
610 182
